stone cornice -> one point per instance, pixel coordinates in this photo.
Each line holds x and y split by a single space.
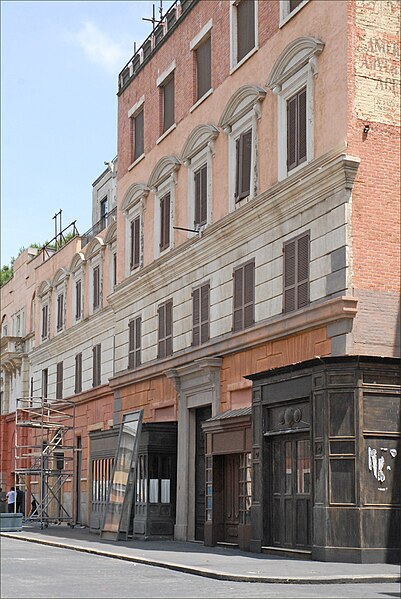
324 176
272 329
87 329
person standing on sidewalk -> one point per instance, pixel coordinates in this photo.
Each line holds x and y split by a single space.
3 501
11 495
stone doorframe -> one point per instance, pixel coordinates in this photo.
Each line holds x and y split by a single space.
197 385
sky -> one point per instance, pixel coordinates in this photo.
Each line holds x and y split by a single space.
59 68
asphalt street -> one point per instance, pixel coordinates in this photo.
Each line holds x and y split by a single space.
33 570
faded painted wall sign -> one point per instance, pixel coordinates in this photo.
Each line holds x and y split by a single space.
377 61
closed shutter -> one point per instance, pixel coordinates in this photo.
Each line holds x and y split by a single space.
238 162
169 328
165 222
196 316
135 242
59 381
78 299
168 104
138 135
291 133
245 28
165 345
238 301
301 126
45 313
134 350
200 314
60 311
249 294
78 373
203 68
96 365
45 380
296 273
96 287
161 352
200 180
246 164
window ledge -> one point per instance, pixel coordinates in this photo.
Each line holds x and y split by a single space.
246 57
292 14
202 99
169 130
131 166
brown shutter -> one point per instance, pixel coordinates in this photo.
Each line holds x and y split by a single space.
169 328
246 156
96 287
78 299
138 135
114 269
249 294
196 316
245 28
238 299
60 311
197 180
96 356
59 381
161 333
78 373
238 162
204 313
45 318
291 133
135 242
303 271
203 196
203 68
131 344
168 104
301 146
45 378
138 337
165 222
289 277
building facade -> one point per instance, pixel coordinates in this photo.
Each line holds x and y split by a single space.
248 290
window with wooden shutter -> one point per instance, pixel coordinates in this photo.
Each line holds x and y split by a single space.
78 373
96 287
203 68
165 222
244 296
114 269
200 314
45 382
296 273
134 345
59 381
45 321
200 177
138 134
165 330
135 242
245 28
96 365
243 165
296 129
60 311
78 299
167 93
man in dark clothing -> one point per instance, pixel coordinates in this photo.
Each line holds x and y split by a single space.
20 501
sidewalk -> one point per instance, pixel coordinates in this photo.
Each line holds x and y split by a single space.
211 562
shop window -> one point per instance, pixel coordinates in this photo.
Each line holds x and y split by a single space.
159 473
245 488
209 487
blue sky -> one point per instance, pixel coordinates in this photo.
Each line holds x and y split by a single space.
59 67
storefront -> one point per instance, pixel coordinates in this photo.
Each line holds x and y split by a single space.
326 459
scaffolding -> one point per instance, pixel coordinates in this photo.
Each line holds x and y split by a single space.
45 460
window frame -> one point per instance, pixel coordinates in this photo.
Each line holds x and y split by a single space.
234 62
286 14
197 95
165 188
247 122
165 128
136 155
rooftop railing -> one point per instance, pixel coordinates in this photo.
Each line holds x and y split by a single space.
160 32
101 224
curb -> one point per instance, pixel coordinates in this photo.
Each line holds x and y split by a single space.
214 574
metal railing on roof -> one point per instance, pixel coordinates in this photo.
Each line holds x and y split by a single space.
174 14
101 224
58 241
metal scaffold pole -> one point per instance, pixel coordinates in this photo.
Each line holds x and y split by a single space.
45 460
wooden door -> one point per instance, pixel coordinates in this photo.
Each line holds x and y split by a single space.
231 497
201 414
290 511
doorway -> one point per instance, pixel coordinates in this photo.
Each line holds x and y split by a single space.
231 497
290 506
201 414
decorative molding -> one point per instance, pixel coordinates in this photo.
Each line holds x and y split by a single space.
111 234
198 139
77 262
61 275
134 194
296 55
163 169
93 247
240 103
